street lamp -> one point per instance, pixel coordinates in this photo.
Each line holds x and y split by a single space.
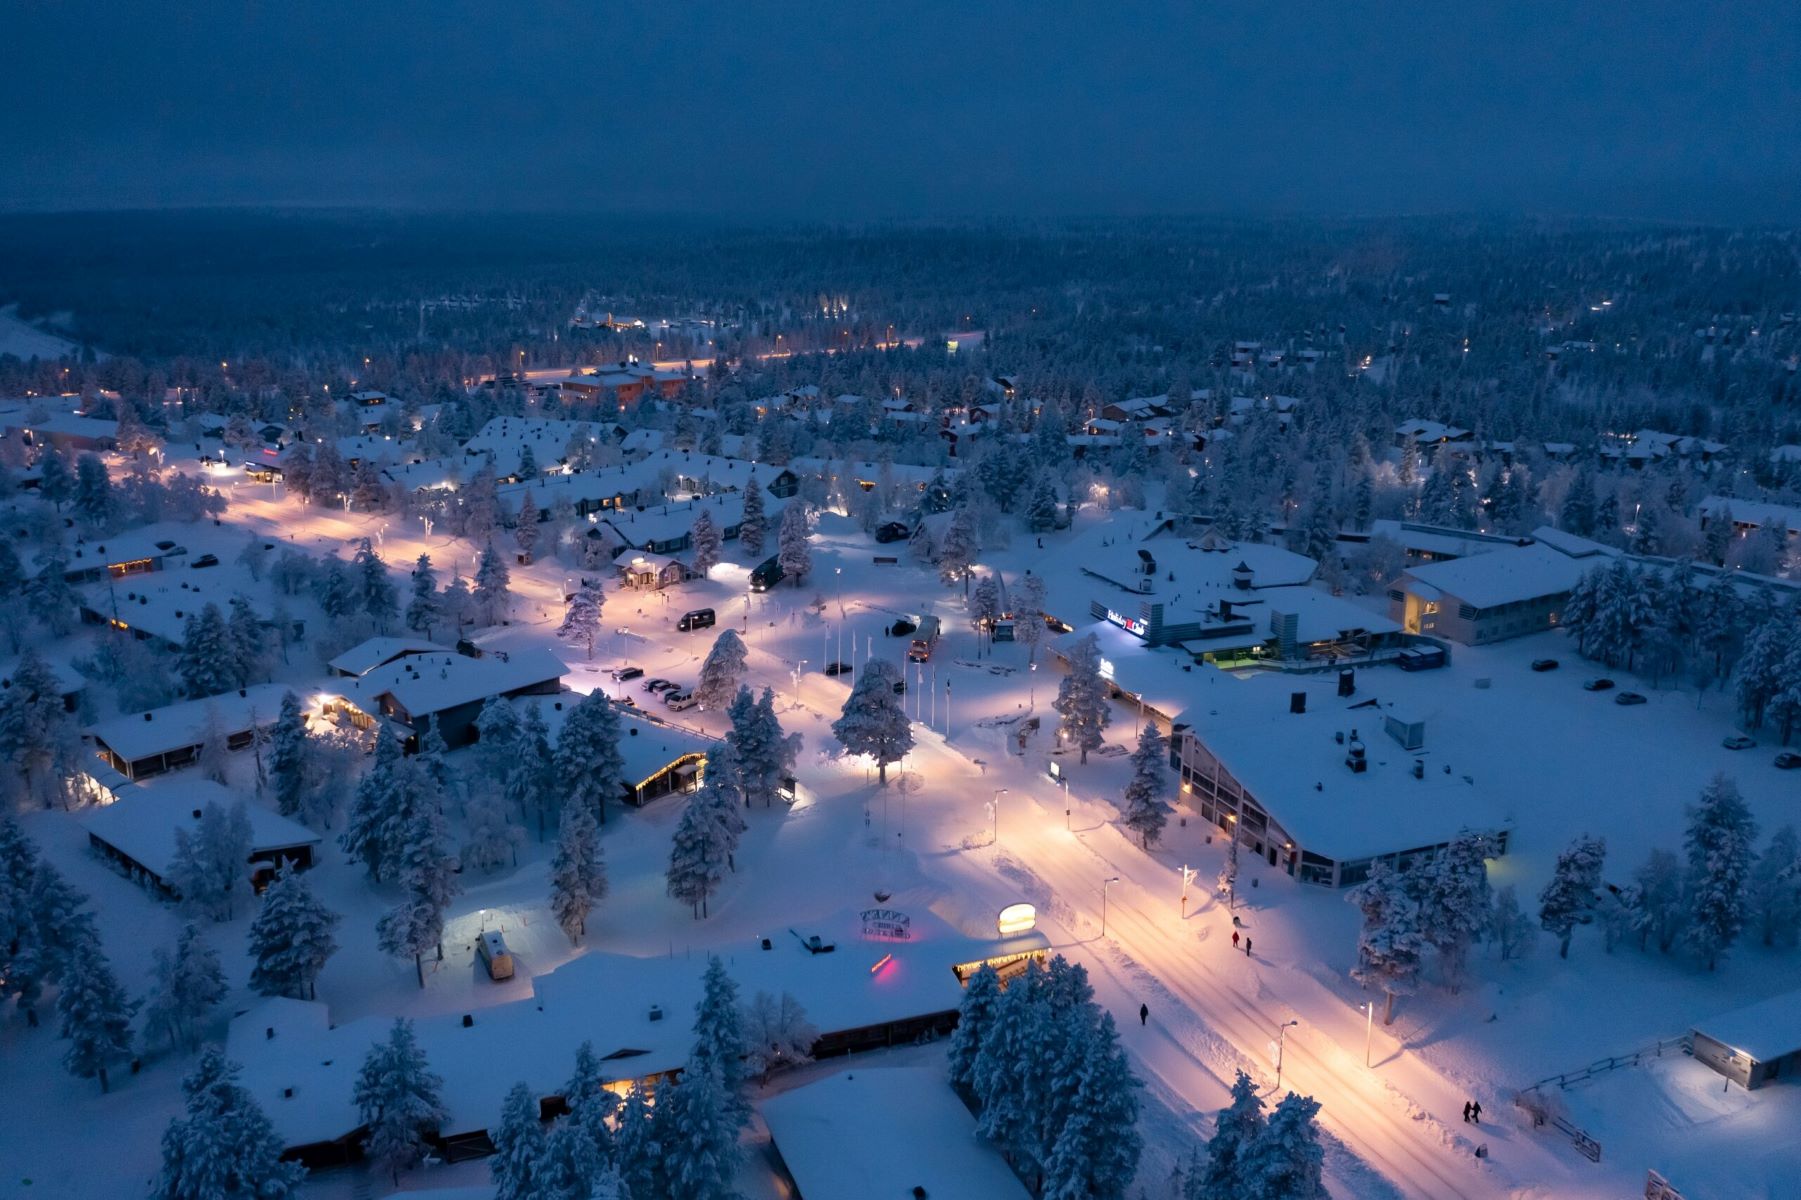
995 807
1369 1029
1105 884
1281 1043
797 674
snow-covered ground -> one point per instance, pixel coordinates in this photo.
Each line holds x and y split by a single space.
24 340
930 841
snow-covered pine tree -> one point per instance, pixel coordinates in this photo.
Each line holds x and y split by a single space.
291 938
1081 701
205 664
1236 1132
1042 508
518 1147
424 607
1145 812
873 721
590 1104
374 586
497 737
525 526
61 927
456 603
699 1136
719 1041
95 505
397 1100
1657 908
581 617
697 854
754 529
1570 898
491 598
588 764
985 601
721 672
249 638
376 809
187 983
976 1015
778 1035
794 548
209 867
1028 612
223 1146
958 549
35 730
1457 901
1287 1160
1774 895
1006 1064
290 757
427 873
1509 926
491 838
578 878
93 1012
1095 1152
638 1147
1392 938
1720 839
528 784
18 863
705 542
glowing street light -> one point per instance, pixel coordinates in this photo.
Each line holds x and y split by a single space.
1105 884
1369 1029
1281 1043
994 807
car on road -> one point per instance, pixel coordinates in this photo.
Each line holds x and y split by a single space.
659 685
919 651
1544 664
206 560
837 668
1597 684
1628 698
621 674
1738 741
1788 760
680 699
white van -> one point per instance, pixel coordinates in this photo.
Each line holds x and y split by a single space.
491 948
679 699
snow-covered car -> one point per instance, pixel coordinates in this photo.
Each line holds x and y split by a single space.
1738 741
680 699
1628 698
621 674
1597 684
659 685
1544 664
1788 760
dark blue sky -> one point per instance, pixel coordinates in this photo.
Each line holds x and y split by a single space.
851 110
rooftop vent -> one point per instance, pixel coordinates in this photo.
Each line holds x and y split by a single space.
1355 757
1297 702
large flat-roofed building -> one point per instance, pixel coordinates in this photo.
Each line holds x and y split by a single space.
162 739
1324 784
135 830
1505 593
1753 1045
445 688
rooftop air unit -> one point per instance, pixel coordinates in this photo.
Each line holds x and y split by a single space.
1355 757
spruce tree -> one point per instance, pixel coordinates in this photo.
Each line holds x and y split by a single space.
424 607
525 526
1721 834
1236 1132
376 809
638 1144
205 664
588 764
976 1015
720 673
188 983
93 1013
1095 1151
518 1147
1145 812
1392 937
1773 897
291 938
697 853
397 1100
1081 703
374 586
492 597
578 879
957 551
794 549
290 758
698 1135
1287 1161
873 721
223 1146
719 1039
1570 899
581 617
427 873
705 543
1457 901
754 528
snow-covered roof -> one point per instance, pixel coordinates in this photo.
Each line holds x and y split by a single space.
429 683
863 469
141 822
1319 616
1505 576
507 437
160 603
606 999
1429 431
364 657
646 742
183 724
1760 513
1444 543
669 522
883 1132
1294 765
1766 1031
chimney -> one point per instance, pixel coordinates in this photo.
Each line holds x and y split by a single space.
1241 576
1297 702
1347 682
1419 768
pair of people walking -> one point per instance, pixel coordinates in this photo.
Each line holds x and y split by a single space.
1247 943
1472 1112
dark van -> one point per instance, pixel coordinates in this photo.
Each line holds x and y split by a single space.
700 618
768 573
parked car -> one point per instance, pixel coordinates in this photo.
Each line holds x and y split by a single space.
621 674
837 668
1597 684
659 685
1738 741
1788 760
893 531
206 560
1544 664
680 699
901 628
700 618
900 686
1628 698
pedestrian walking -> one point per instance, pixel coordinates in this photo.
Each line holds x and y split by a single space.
1144 1013
1235 939
1466 1112
1247 947
1476 1111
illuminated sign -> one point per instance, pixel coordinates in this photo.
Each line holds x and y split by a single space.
880 963
1016 918
887 924
1132 625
